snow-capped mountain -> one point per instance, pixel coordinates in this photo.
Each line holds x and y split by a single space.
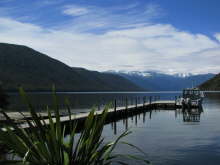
151 73
138 73
183 75
151 80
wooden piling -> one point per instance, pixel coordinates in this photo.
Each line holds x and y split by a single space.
136 102
126 103
115 106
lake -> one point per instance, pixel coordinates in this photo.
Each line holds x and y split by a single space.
162 134
167 139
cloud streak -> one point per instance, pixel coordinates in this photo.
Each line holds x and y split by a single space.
73 10
97 19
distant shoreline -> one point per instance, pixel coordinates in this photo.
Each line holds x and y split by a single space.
95 92
11 92
100 92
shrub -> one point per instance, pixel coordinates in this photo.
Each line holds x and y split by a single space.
45 142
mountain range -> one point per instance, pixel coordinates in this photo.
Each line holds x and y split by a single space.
156 81
26 67
23 66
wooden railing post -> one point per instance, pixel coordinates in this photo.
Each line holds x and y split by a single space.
126 103
115 106
150 99
98 106
136 102
175 100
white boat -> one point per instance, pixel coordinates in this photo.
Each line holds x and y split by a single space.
192 97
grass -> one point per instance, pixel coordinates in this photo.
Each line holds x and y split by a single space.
46 143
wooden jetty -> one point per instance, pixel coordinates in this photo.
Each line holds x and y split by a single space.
120 111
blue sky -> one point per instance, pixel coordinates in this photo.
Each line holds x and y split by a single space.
172 36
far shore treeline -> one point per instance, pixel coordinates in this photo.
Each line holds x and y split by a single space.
212 84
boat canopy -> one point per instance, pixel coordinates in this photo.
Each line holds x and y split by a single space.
192 93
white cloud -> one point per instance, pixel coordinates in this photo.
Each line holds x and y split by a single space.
93 18
74 10
217 36
150 47
50 2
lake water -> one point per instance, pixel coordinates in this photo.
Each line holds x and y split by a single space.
162 134
168 139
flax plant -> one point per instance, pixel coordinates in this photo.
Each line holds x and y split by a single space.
45 142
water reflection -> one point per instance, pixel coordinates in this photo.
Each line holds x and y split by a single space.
174 136
189 116
192 115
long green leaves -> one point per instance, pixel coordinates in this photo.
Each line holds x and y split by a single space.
44 141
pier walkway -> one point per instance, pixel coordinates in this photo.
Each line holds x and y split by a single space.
116 113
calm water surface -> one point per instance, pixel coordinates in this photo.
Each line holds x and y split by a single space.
168 140
163 135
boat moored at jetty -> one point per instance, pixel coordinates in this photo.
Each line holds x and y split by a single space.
191 97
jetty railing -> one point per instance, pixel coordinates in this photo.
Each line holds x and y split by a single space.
119 106
98 103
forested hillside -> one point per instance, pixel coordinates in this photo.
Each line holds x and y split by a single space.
212 84
23 66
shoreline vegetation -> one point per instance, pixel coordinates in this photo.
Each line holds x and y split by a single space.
47 144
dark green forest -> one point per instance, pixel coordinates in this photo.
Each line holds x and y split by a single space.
34 71
212 84
3 98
